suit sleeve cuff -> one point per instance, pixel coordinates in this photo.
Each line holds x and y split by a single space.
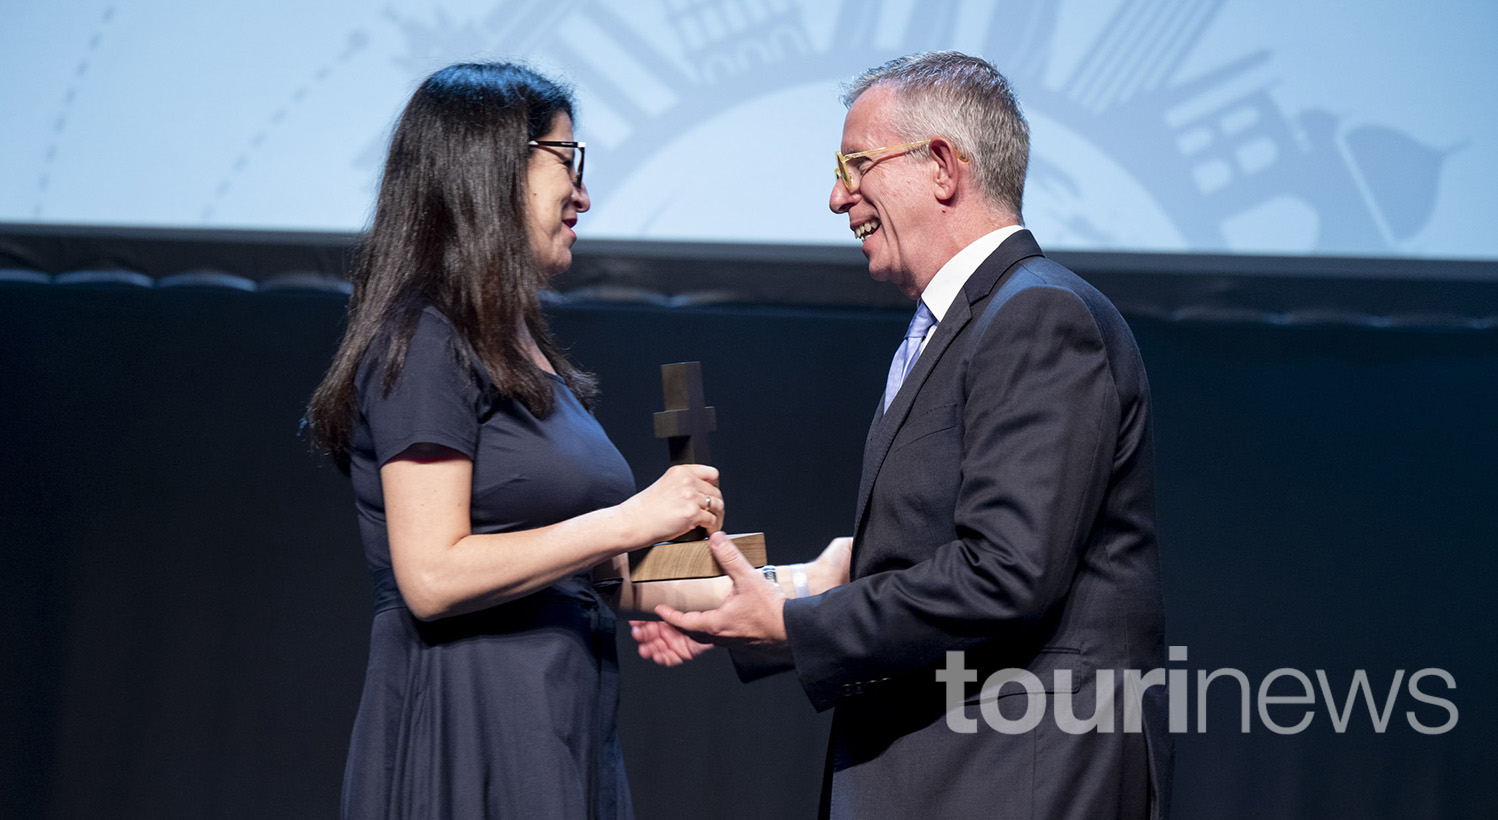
813 654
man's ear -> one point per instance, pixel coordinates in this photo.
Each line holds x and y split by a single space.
949 167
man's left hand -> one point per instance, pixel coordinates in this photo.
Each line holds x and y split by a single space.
752 614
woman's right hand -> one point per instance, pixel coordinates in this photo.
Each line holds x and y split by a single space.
686 496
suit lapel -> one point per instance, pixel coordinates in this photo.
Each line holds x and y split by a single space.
978 286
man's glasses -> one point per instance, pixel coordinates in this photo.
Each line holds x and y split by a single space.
576 169
849 174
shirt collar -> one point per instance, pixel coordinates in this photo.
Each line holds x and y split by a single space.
948 282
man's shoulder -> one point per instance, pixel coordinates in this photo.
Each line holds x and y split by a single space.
1037 277
1035 288
1019 263
1043 272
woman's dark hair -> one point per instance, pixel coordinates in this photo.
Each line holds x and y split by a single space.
449 231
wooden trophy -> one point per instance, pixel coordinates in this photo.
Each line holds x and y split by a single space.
685 425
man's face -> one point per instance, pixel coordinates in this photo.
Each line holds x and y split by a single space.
886 206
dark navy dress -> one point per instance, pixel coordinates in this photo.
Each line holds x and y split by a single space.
510 711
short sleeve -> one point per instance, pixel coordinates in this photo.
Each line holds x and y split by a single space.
434 401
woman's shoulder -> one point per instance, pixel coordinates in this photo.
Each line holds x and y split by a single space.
435 350
432 323
431 395
430 330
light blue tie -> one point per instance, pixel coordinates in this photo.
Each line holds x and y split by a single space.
905 357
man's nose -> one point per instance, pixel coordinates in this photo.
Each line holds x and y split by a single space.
842 199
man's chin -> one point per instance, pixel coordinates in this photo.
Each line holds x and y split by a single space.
883 273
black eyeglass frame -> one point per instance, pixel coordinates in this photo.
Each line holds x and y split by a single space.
579 147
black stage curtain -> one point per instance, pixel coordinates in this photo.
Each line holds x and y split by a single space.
184 606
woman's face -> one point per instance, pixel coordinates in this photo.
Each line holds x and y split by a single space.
552 201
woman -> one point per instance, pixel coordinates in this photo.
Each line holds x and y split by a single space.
485 491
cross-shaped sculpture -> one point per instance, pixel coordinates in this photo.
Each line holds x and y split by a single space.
687 419
685 424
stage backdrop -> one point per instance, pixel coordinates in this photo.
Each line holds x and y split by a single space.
184 607
1258 126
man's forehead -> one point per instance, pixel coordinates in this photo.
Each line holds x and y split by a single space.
868 117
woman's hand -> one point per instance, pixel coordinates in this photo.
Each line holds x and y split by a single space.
663 644
687 496
832 567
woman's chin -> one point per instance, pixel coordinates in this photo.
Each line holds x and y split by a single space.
558 261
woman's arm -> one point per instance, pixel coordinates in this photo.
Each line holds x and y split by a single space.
639 600
665 645
443 569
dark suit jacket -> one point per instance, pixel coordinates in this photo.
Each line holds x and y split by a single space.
1006 511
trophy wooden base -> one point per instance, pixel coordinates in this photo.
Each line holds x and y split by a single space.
690 559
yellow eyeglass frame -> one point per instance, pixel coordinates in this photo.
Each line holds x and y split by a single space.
846 175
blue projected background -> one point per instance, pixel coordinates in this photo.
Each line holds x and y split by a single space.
1255 126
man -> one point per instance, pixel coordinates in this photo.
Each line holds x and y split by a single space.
1006 509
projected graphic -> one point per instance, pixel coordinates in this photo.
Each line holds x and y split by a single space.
1200 125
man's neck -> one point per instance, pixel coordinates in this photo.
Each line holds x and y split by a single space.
943 288
956 228
953 232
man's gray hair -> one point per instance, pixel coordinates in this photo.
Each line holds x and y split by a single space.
966 100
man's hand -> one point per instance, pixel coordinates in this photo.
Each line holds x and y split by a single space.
752 614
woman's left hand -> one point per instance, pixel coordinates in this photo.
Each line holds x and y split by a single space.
664 644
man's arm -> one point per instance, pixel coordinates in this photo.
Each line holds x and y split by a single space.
758 650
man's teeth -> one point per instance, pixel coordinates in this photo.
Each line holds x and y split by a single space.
862 231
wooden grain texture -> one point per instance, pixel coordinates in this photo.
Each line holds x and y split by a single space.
690 559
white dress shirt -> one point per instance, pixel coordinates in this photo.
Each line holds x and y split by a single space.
948 282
